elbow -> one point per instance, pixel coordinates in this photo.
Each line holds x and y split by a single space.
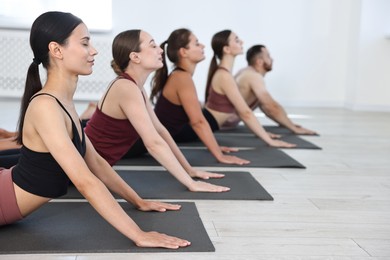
198 124
246 115
161 130
269 110
154 146
87 186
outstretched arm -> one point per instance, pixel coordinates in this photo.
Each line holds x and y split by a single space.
160 144
230 88
116 184
272 108
190 171
187 96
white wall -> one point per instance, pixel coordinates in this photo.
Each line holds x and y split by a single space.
305 39
328 53
369 80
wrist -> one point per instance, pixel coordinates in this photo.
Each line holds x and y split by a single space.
191 172
136 236
139 203
191 186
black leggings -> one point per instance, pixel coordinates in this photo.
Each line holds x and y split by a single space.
187 134
137 149
9 158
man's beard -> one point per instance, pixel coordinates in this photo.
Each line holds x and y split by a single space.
268 67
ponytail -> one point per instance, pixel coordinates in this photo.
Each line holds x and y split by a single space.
212 69
219 40
115 67
32 86
160 77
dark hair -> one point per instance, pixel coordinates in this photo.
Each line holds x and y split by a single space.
178 39
219 40
253 52
124 43
48 27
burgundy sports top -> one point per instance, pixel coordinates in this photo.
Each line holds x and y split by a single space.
219 102
111 137
172 116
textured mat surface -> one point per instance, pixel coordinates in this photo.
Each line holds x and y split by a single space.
75 227
162 185
259 157
269 128
249 140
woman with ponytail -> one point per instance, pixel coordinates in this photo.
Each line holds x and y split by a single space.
54 148
124 124
177 106
222 97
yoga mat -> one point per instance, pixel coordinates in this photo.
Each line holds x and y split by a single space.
75 227
162 185
260 158
244 140
242 129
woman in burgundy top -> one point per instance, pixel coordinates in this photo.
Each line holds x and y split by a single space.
223 99
124 118
178 107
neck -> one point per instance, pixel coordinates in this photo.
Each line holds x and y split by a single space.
258 69
187 66
227 62
62 87
138 74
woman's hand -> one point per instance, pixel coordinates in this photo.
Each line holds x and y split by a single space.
155 239
146 205
273 136
201 186
229 159
204 175
281 144
226 149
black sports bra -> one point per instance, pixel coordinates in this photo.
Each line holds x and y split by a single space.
39 173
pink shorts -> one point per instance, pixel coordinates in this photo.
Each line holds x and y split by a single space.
9 210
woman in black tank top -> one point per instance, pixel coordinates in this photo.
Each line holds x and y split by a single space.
55 150
177 106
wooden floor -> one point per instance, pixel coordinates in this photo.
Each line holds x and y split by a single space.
336 209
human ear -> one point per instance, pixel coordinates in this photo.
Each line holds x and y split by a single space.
134 57
183 52
260 61
226 49
55 50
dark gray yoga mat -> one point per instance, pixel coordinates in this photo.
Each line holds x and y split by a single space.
242 129
75 227
260 158
162 185
248 140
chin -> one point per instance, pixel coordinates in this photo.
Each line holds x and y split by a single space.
85 73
